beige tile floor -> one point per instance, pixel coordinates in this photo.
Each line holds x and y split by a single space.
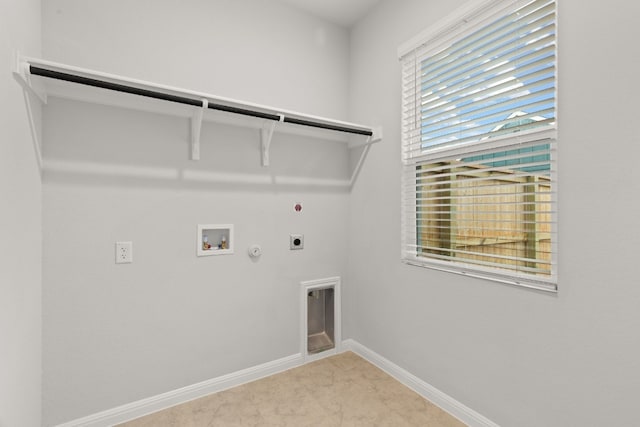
341 390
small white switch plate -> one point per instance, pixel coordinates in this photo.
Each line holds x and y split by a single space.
124 252
296 241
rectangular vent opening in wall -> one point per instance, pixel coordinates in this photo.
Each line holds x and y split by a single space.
320 320
320 323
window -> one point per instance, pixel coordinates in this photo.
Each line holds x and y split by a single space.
479 144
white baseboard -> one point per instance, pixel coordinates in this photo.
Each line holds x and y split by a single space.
147 406
429 392
153 404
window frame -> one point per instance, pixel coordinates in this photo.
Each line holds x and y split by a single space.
464 21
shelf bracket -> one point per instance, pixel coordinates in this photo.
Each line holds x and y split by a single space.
196 129
376 137
23 77
377 134
266 134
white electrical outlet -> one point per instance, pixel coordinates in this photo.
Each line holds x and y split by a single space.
124 252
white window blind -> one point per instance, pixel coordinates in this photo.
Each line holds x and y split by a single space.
479 144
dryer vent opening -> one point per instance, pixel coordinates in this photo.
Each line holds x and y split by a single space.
320 320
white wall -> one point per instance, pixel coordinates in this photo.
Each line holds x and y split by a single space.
520 358
259 51
20 227
114 334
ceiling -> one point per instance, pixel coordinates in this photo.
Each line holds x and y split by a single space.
341 12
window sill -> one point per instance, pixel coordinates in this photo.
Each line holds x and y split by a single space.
519 281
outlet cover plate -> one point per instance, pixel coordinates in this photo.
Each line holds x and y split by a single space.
124 252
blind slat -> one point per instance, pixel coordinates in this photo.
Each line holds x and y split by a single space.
478 146
501 52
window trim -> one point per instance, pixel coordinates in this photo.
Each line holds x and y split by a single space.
463 21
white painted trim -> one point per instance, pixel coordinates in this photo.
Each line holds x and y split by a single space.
426 390
150 405
153 404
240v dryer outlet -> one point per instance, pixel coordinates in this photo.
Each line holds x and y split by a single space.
296 241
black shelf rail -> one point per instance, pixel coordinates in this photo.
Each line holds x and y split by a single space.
87 81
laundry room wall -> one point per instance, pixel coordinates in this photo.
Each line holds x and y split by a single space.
114 334
516 356
20 224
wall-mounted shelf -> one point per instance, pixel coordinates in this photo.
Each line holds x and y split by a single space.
46 78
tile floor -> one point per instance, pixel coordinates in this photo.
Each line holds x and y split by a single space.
341 390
